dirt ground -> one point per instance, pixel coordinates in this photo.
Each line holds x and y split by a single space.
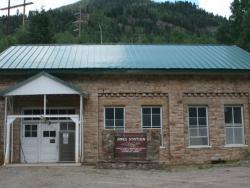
89 177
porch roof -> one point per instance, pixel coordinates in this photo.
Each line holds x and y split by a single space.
42 84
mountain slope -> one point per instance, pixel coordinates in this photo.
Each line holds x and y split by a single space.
147 21
121 21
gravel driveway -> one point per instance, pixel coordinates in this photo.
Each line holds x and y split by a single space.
89 177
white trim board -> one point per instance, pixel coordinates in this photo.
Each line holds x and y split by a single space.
43 85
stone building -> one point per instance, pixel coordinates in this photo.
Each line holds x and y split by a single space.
68 103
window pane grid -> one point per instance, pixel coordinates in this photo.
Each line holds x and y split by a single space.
198 126
114 118
234 131
50 111
30 131
151 117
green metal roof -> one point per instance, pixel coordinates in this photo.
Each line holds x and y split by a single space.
135 57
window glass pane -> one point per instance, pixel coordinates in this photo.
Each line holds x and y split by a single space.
52 133
146 110
71 126
53 111
62 111
34 127
119 123
156 110
63 126
156 121
202 121
119 113
45 133
109 113
192 122
229 136
71 111
199 141
192 112
109 123
36 111
146 121
193 132
202 131
27 134
34 134
202 112
237 115
238 134
27 127
27 112
228 115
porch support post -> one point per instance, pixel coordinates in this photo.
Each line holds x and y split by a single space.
5 122
10 120
81 130
75 119
77 144
44 104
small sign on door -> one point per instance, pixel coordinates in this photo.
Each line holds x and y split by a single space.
65 138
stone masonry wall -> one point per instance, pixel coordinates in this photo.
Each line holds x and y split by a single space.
173 93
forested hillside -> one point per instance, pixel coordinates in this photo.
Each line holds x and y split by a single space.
121 21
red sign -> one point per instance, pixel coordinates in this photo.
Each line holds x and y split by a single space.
131 146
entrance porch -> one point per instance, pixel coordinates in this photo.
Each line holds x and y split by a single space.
43 122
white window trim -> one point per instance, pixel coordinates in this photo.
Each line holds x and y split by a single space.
208 135
23 130
104 117
242 126
199 146
235 145
162 146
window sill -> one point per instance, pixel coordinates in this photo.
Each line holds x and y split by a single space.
199 147
235 146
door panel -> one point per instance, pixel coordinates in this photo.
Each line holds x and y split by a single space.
30 143
49 143
67 146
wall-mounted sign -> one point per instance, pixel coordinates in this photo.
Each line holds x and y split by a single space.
131 146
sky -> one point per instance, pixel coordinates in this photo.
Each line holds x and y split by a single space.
220 7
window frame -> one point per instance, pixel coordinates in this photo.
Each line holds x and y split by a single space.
233 125
35 120
114 127
31 130
161 122
49 136
207 127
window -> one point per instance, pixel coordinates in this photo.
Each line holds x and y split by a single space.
114 118
234 129
151 119
198 126
67 126
49 133
50 111
30 131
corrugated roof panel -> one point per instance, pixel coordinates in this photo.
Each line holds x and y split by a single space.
24 58
125 57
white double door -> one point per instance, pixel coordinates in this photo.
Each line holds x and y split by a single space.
40 143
